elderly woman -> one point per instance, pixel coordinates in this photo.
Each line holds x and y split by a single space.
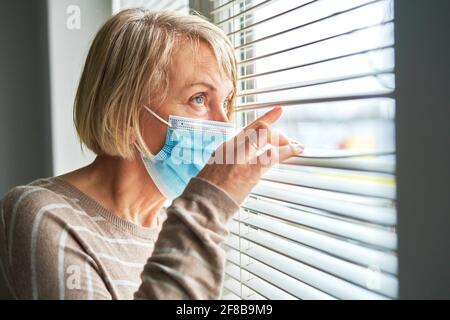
154 103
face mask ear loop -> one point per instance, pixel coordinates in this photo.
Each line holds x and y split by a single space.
150 156
158 117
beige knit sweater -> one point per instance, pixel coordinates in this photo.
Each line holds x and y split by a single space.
58 243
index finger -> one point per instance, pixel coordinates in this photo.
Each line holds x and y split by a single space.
270 117
267 136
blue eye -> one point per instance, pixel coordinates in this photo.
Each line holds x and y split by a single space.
199 100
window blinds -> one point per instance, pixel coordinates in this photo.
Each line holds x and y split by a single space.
321 225
156 5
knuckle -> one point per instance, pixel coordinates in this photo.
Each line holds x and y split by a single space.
262 125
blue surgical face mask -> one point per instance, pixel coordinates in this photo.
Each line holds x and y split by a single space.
188 147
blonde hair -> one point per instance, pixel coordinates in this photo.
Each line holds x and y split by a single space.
128 64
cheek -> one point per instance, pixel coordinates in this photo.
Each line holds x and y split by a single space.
154 134
194 111
189 110
176 107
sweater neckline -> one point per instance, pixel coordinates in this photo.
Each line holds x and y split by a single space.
91 204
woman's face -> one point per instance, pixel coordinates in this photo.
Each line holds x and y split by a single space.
196 90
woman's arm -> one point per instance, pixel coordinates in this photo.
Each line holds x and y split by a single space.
187 262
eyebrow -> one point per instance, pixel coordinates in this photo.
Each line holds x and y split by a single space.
205 84
201 83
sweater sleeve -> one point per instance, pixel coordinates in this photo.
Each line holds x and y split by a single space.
40 256
187 261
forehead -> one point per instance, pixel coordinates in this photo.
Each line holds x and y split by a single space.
192 64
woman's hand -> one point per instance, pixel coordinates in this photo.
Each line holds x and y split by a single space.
238 164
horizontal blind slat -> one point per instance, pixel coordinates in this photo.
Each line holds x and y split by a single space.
281 281
286 283
323 200
375 236
381 188
336 247
385 284
275 16
378 164
307 44
311 276
303 65
245 11
285 103
267 290
311 83
300 26
258 285
232 285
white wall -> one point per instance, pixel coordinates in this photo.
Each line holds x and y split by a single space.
69 41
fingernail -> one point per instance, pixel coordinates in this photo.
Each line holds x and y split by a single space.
292 141
298 147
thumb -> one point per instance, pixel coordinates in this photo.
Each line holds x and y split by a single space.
287 151
279 154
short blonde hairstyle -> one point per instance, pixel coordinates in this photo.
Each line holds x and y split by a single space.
128 64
